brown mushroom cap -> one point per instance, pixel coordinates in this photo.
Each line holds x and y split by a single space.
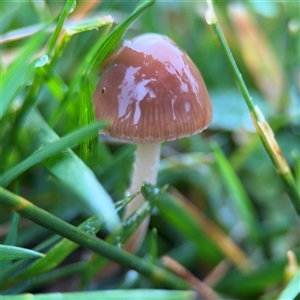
152 92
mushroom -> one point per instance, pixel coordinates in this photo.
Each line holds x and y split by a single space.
152 92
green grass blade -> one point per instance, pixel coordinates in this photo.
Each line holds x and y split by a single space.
72 174
46 60
8 273
171 209
153 246
102 49
19 72
81 71
87 116
129 226
292 290
86 87
38 281
110 295
121 204
11 239
123 159
29 101
54 82
296 159
45 70
89 24
248 286
50 150
208 238
49 221
262 127
72 29
60 251
113 40
240 200
12 236
45 65
69 7
13 252
80 181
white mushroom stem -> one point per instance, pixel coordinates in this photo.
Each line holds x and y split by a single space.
145 166
145 169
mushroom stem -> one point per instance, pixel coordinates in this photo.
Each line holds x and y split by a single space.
145 166
145 169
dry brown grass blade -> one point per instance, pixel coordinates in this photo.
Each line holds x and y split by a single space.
83 8
292 266
224 243
218 272
204 290
258 54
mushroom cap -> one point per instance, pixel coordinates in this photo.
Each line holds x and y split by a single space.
152 92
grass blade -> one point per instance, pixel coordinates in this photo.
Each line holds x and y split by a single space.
81 71
35 282
241 202
86 90
170 208
262 127
19 72
153 246
72 174
47 220
87 116
129 227
69 7
11 239
54 82
113 40
192 224
60 251
248 286
12 236
49 150
102 49
111 295
13 252
292 290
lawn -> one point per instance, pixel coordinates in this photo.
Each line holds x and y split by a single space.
224 212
